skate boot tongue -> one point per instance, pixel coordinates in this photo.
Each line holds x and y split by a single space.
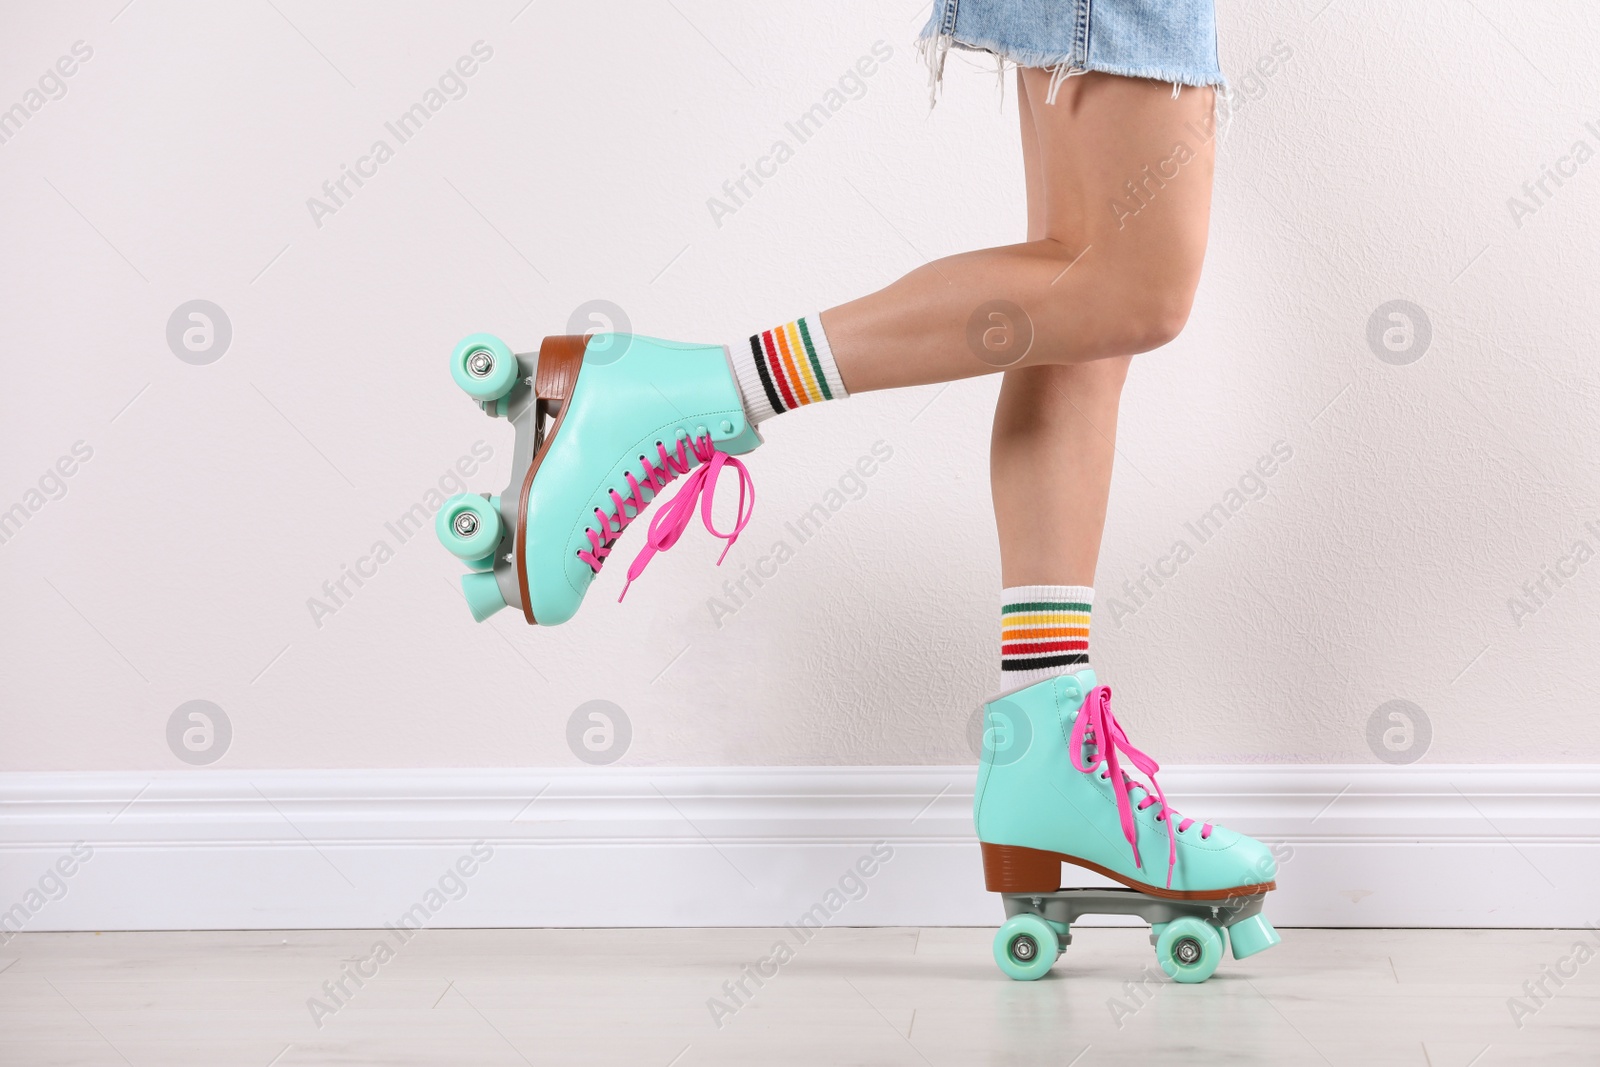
1097 729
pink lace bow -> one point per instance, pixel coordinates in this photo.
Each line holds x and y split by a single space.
1097 726
673 518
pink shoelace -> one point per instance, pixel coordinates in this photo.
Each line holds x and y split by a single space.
673 518
1100 728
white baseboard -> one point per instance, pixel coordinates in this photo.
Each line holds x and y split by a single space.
1480 846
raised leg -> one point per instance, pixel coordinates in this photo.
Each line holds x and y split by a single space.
1119 195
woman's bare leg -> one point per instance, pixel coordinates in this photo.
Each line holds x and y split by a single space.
1126 186
1055 430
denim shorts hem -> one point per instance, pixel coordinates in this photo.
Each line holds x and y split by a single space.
1050 61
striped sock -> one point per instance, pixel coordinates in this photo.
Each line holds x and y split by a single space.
1044 631
786 367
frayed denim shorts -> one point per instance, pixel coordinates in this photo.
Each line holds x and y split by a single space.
1165 40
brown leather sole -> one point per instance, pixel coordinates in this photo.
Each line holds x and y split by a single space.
1014 869
560 359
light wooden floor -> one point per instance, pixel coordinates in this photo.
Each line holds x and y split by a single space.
483 998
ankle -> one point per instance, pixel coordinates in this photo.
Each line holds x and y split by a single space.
786 367
1044 631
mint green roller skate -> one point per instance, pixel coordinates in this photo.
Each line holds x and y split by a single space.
603 424
1052 790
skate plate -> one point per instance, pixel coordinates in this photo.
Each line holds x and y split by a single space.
1188 935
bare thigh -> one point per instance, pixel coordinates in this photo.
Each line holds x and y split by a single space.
1123 188
1125 174
1122 161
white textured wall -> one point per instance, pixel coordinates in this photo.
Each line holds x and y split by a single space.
1375 164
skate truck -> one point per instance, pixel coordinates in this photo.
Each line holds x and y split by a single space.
1189 936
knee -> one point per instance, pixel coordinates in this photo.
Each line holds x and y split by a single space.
1155 299
1157 315
1132 302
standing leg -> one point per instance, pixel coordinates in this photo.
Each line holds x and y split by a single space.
1041 802
1055 428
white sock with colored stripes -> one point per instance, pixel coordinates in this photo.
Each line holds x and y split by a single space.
1044 631
786 367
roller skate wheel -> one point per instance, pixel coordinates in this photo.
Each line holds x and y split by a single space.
483 366
469 526
1189 949
1025 947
